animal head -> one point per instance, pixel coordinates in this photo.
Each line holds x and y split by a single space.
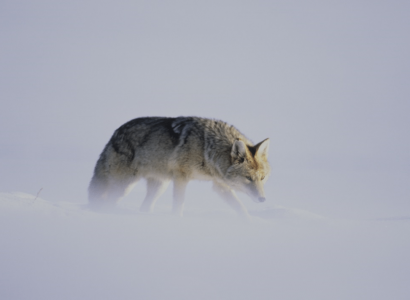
249 169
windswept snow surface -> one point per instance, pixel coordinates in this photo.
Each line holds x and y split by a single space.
60 250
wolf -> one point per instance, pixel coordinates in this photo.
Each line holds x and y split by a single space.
163 149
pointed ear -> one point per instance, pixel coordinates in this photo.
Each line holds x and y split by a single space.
238 151
262 149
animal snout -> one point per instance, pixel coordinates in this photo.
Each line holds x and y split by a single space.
261 199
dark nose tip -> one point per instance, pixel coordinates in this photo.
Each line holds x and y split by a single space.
262 199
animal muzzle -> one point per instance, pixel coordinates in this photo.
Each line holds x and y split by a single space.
257 197
257 193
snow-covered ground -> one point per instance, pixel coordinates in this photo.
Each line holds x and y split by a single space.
326 81
61 250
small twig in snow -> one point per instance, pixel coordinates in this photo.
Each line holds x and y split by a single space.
37 195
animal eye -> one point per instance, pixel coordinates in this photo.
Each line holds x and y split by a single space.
249 178
263 177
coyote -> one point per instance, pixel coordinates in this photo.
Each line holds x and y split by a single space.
181 149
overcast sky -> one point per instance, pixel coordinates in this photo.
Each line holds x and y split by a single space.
327 81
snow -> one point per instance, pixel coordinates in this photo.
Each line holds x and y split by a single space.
326 81
62 250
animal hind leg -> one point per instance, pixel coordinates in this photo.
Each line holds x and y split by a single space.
179 196
117 189
155 188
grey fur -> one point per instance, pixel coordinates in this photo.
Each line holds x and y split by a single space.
179 149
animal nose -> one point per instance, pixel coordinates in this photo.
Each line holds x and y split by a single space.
262 199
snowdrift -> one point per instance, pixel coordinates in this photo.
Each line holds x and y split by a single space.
61 250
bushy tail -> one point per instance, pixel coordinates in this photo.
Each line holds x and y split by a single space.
97 191
108 185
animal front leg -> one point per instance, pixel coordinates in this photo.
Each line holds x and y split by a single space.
179 196
230 198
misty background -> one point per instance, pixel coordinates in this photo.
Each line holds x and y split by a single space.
326 81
